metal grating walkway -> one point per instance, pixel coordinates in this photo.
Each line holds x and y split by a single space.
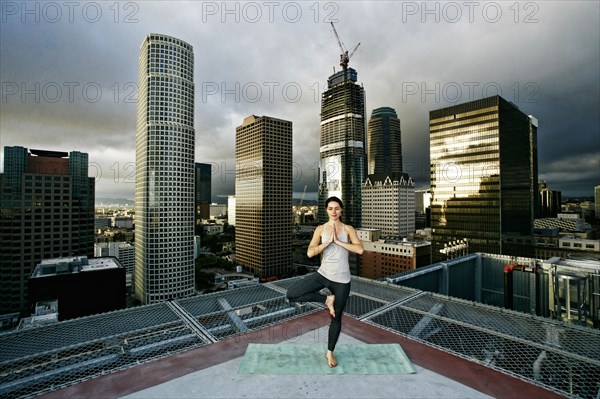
561 357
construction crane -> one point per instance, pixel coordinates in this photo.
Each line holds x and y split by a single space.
344 57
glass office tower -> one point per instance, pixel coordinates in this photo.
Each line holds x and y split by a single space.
164 187
484 189
342 145
47 208
385 142
550 201
203 190
263 195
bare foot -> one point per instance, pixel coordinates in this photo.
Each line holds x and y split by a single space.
331 362
329 303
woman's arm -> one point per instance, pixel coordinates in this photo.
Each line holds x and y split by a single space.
316 247
354 245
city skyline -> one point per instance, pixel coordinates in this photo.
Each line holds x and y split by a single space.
68 80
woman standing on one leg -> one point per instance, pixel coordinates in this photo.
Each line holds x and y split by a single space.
334 240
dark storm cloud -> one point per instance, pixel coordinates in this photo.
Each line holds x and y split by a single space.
266 59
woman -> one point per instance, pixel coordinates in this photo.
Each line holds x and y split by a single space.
335 240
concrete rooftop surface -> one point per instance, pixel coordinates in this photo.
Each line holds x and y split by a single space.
193 347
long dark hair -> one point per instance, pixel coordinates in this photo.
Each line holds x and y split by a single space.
334 199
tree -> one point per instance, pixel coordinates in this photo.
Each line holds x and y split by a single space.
118 237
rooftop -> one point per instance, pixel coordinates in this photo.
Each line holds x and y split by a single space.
73 264
192 348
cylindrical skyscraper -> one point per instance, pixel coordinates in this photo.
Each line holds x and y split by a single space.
164 187
385 142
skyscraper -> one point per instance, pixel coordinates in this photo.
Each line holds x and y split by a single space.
47 202
263 195
388 195
342 145
385 142
550 201
483 178
597 201
164 187
202 188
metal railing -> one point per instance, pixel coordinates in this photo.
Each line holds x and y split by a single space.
561 357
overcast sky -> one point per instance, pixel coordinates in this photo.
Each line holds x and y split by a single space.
69 73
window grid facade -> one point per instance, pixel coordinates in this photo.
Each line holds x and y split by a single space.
47 205
384 258
342 145
550 201
385 142
164 244
377 265
263 195
483 177
389 204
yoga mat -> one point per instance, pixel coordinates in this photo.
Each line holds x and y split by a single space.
309 359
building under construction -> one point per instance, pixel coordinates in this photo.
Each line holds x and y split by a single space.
342 144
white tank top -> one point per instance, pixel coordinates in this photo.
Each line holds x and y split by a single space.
334 260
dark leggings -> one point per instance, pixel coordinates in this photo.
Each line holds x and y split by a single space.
306 290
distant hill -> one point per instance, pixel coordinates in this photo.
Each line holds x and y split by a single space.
296 201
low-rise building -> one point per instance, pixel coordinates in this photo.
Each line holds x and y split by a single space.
388 256
123 222
80 286
218 210
123 251
567 224
212 229
102 223
549 242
